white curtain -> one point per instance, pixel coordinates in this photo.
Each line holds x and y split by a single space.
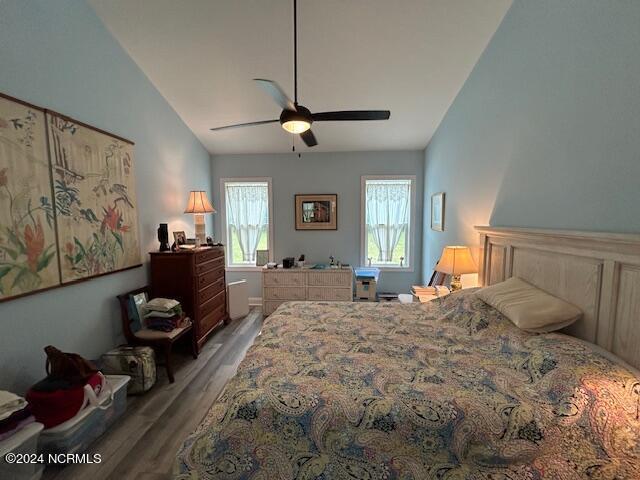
387 214
247 215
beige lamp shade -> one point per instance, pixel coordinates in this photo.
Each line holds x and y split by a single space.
199 203
456 260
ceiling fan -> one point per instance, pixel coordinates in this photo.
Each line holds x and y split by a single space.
296 118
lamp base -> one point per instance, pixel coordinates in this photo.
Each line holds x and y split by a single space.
200 229
456 283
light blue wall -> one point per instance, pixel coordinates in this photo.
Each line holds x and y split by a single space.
322 173
57 54
546 130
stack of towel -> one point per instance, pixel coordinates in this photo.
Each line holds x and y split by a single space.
164 314
14 414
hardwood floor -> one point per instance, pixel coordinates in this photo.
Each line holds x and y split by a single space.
144 442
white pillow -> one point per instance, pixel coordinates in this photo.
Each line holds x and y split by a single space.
528 307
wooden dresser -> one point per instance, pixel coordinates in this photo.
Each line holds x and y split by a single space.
280 285
196 279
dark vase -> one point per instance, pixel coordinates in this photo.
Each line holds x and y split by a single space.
163 237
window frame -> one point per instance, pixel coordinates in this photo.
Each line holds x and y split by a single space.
409 267
225 228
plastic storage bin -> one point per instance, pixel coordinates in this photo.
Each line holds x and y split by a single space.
76 434
25 441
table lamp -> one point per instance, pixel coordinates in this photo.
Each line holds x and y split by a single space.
455 261
199 205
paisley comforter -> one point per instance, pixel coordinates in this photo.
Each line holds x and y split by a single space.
445 390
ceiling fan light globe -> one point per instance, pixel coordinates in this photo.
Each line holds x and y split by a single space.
296 122
296 126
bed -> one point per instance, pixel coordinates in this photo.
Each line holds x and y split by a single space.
450 389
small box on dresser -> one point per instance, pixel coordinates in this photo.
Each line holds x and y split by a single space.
196 279
281 285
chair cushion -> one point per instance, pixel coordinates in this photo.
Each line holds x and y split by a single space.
528 307
148 334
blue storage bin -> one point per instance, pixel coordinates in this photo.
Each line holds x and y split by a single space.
368 273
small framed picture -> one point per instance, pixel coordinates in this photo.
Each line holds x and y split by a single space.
437 212
262 257
180 238
316 212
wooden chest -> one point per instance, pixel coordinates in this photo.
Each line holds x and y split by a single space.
196 279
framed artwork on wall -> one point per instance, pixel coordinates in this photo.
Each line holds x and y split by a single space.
316 212
95 199
437 212
28 251
68 209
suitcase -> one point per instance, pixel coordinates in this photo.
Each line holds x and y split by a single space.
137 362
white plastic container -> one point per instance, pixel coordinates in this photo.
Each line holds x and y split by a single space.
238 299
76 434
24 441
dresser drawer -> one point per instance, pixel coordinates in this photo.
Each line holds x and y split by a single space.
212 319
211 304
209 265
330 294
206 279
270 307
210 291
207 255
285 293
330 278
281 278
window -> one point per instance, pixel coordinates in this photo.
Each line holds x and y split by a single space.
247 219
387 210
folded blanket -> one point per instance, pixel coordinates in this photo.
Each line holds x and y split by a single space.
161 304
10 423
23 423
162 323
10 403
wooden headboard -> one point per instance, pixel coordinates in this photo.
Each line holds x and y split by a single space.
597 272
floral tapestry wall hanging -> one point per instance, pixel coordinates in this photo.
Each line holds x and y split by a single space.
28 254
95 201
68 211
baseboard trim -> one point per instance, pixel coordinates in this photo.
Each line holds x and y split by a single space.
255 301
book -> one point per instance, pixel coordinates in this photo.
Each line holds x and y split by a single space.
418 290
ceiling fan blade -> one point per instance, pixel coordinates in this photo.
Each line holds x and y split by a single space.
249 124
348 115
273 89
309 138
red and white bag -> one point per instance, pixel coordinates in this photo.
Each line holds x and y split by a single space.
54 407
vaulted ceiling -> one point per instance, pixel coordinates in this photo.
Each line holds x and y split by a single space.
408 56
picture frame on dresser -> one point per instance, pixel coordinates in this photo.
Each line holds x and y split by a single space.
262 257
